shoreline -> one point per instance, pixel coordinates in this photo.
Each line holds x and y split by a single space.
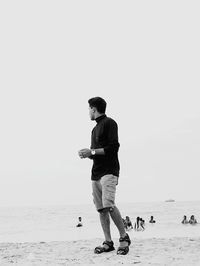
182 251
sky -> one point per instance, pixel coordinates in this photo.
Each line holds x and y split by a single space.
142 57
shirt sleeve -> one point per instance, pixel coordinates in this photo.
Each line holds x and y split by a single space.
112 138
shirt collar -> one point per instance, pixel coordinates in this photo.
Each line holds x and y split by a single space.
98 119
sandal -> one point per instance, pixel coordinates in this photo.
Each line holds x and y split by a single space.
124 250
101 249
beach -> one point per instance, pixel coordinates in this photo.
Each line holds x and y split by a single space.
154 251
39 236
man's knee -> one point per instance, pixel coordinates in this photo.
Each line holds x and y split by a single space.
106 210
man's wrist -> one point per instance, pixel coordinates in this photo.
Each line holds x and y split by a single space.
93 152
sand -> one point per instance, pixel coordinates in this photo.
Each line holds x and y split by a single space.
155 251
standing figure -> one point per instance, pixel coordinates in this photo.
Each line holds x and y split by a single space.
142 223
105 173
137 224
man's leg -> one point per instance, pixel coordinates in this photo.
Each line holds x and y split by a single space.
103 213
109 183
105 223
117 219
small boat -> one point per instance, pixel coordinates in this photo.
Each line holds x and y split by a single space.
170 200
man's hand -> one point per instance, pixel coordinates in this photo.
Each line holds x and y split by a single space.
84 153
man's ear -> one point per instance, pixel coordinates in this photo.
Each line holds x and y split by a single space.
94 109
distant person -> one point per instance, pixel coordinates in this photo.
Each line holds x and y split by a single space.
105 174
152 221
192 220
79 222
185 220
139 224
142 223
128 223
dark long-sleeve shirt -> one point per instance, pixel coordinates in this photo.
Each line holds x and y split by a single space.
105 135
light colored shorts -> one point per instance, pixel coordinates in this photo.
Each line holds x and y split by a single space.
104 191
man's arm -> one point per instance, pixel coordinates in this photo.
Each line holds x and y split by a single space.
88 153
112 143
112 135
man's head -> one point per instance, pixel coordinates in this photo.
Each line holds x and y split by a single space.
97 107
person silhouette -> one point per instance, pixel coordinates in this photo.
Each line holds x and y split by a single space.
79 222
192 220
152 221
185 221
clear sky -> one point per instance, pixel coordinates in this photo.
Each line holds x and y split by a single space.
141 56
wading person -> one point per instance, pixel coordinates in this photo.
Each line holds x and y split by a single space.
105 173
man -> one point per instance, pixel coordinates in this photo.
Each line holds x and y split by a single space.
105 173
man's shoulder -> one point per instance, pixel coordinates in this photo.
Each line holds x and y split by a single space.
109 120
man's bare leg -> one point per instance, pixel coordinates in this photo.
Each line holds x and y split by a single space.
105 224
117 219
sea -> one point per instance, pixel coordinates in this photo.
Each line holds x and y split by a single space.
58 223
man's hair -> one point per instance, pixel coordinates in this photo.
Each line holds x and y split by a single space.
99 103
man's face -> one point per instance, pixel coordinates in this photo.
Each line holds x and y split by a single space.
91 113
